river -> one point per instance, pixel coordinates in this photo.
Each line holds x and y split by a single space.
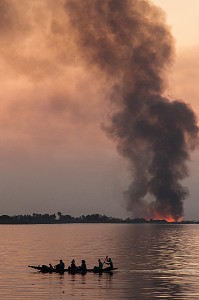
154 261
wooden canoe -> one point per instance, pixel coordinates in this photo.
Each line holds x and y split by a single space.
46 269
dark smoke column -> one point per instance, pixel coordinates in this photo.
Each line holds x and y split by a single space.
130 44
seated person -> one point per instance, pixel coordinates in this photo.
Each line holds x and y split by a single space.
50 266
72 266
110 263
99 267
100 264
83 266
60 266
44 266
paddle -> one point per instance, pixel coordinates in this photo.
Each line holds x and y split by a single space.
105 259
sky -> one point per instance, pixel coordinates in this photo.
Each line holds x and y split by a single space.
54 154
184 76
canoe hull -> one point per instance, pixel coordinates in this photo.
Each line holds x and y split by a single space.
50 270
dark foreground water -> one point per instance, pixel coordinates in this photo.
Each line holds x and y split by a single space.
154 261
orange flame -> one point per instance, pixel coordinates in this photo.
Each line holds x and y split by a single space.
168 218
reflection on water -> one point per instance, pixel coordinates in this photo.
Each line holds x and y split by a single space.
155 261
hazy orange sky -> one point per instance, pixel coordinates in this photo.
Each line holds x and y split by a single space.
54 155
183 18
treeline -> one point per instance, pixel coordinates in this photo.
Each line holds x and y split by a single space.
60 218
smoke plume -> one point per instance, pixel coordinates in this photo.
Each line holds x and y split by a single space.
130 44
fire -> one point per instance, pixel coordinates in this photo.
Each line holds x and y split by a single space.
168 218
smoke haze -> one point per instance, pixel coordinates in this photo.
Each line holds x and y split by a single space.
130 43
67 67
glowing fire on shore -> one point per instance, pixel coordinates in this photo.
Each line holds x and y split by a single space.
167 218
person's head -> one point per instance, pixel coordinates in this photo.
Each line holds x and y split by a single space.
99 260
109 259
73 261
83 261
60 260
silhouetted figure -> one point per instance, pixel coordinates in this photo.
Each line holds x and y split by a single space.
100 264
83 267
73 266
50 266
60 266
44 266
99 267
110 263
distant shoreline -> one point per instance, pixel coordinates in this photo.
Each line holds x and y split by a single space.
84 219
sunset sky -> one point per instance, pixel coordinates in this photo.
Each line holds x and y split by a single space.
54 154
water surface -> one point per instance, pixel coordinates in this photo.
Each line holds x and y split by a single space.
155 261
